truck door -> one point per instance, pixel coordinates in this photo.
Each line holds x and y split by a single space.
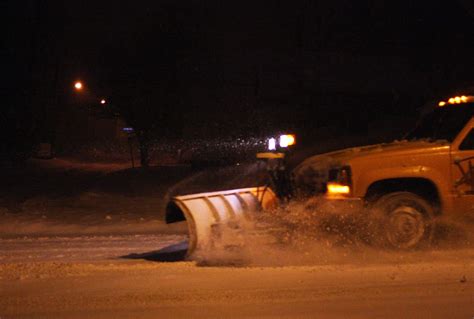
462 171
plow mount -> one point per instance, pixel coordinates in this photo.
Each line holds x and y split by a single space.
217 219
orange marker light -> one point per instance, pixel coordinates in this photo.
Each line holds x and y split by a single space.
287 140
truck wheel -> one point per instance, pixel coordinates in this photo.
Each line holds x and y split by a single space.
407 220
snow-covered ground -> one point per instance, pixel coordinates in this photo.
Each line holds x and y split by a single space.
63 197
138 277
88 241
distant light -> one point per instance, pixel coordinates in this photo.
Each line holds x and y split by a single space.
272 144
287 140
103 101
442 103
464 98
457 99
78 85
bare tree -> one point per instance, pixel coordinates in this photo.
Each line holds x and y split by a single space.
143 78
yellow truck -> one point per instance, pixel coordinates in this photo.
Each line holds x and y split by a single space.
411 181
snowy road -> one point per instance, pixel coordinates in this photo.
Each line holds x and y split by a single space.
126 277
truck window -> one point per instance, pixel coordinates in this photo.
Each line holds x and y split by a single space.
468 142
444 123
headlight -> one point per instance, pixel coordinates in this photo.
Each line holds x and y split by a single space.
339 181
338 189
272 144
284 141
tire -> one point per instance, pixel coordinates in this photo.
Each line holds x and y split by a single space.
406 220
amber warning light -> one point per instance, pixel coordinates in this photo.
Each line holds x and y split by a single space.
287 140
283 141
457 100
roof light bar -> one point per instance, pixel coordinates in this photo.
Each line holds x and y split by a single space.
457 100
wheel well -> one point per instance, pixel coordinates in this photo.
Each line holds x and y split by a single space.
419 186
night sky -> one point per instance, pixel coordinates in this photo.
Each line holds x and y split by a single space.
236 67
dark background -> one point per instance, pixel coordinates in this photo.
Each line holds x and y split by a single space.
226 69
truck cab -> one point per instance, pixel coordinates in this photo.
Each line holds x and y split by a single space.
428 173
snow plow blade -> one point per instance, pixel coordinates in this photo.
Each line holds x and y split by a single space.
215 218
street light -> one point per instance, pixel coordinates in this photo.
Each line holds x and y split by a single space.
103 101
78 85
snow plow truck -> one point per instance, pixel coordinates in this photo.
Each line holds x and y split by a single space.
430 172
